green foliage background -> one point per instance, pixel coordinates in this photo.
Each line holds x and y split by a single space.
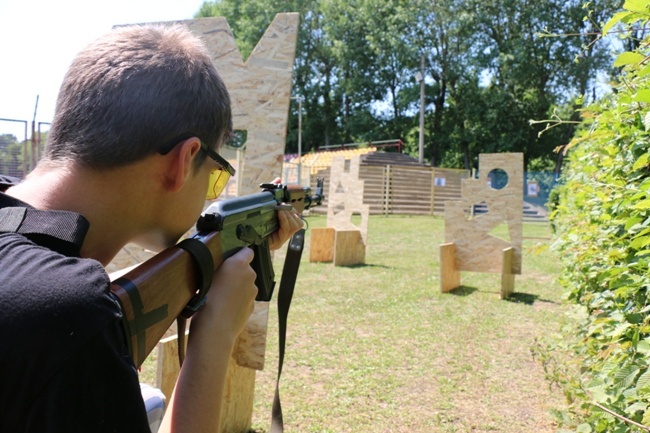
602 222
11 156
491 67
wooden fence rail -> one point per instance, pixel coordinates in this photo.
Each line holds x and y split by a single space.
410 190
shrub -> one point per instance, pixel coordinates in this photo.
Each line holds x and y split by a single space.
602 234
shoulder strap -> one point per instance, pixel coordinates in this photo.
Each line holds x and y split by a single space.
7 181
61 231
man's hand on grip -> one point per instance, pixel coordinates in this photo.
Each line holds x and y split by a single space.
290 223
231 297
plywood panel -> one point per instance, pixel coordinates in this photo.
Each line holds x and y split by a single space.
260 89
321 244
240 382
345 198
349 248
251 343
477 248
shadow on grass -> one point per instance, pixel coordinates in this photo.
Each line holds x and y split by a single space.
526 298
366 265
463 291
516 297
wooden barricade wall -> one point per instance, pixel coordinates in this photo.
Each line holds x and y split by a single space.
407 190
343 241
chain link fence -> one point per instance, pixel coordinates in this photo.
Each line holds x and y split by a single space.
21 146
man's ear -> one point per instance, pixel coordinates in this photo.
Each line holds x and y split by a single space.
181 163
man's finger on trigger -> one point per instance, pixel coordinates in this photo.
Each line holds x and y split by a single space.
296 216
246 254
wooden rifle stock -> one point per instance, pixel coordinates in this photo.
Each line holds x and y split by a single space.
149 309
173 283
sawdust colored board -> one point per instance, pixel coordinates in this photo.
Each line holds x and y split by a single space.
483 230
342 241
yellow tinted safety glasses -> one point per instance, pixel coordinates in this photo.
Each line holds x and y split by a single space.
220 176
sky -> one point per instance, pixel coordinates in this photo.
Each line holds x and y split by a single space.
39 39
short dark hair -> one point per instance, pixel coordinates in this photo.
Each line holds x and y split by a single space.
134 89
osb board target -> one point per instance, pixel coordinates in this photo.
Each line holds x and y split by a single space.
477 248
345 199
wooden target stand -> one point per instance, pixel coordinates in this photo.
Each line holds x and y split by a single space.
342 242
469 244
342 247
450 274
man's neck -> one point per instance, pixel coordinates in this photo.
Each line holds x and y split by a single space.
109 199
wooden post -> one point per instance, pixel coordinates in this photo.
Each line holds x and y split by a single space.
433 191
168 366
449 273
237 409
248 356
387 191
507 277
321 247
349 248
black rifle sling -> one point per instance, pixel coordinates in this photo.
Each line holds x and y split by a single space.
285 294
203 258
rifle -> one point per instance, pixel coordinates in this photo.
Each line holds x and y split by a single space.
175 282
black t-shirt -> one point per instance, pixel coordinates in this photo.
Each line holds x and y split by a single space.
64 363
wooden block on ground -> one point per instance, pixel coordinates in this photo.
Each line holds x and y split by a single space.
321 247
168 365
349 248
251 344
238 398
248 355
449 273
507 276
237 409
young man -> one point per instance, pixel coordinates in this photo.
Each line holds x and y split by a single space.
131 157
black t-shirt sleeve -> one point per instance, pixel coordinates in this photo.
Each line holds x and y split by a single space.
96 391
64 362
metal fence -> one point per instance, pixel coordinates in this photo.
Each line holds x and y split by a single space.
20 153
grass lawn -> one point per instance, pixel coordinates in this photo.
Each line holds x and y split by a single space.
378 348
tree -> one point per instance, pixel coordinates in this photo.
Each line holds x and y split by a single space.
6 140
492 66
522 76
11 156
